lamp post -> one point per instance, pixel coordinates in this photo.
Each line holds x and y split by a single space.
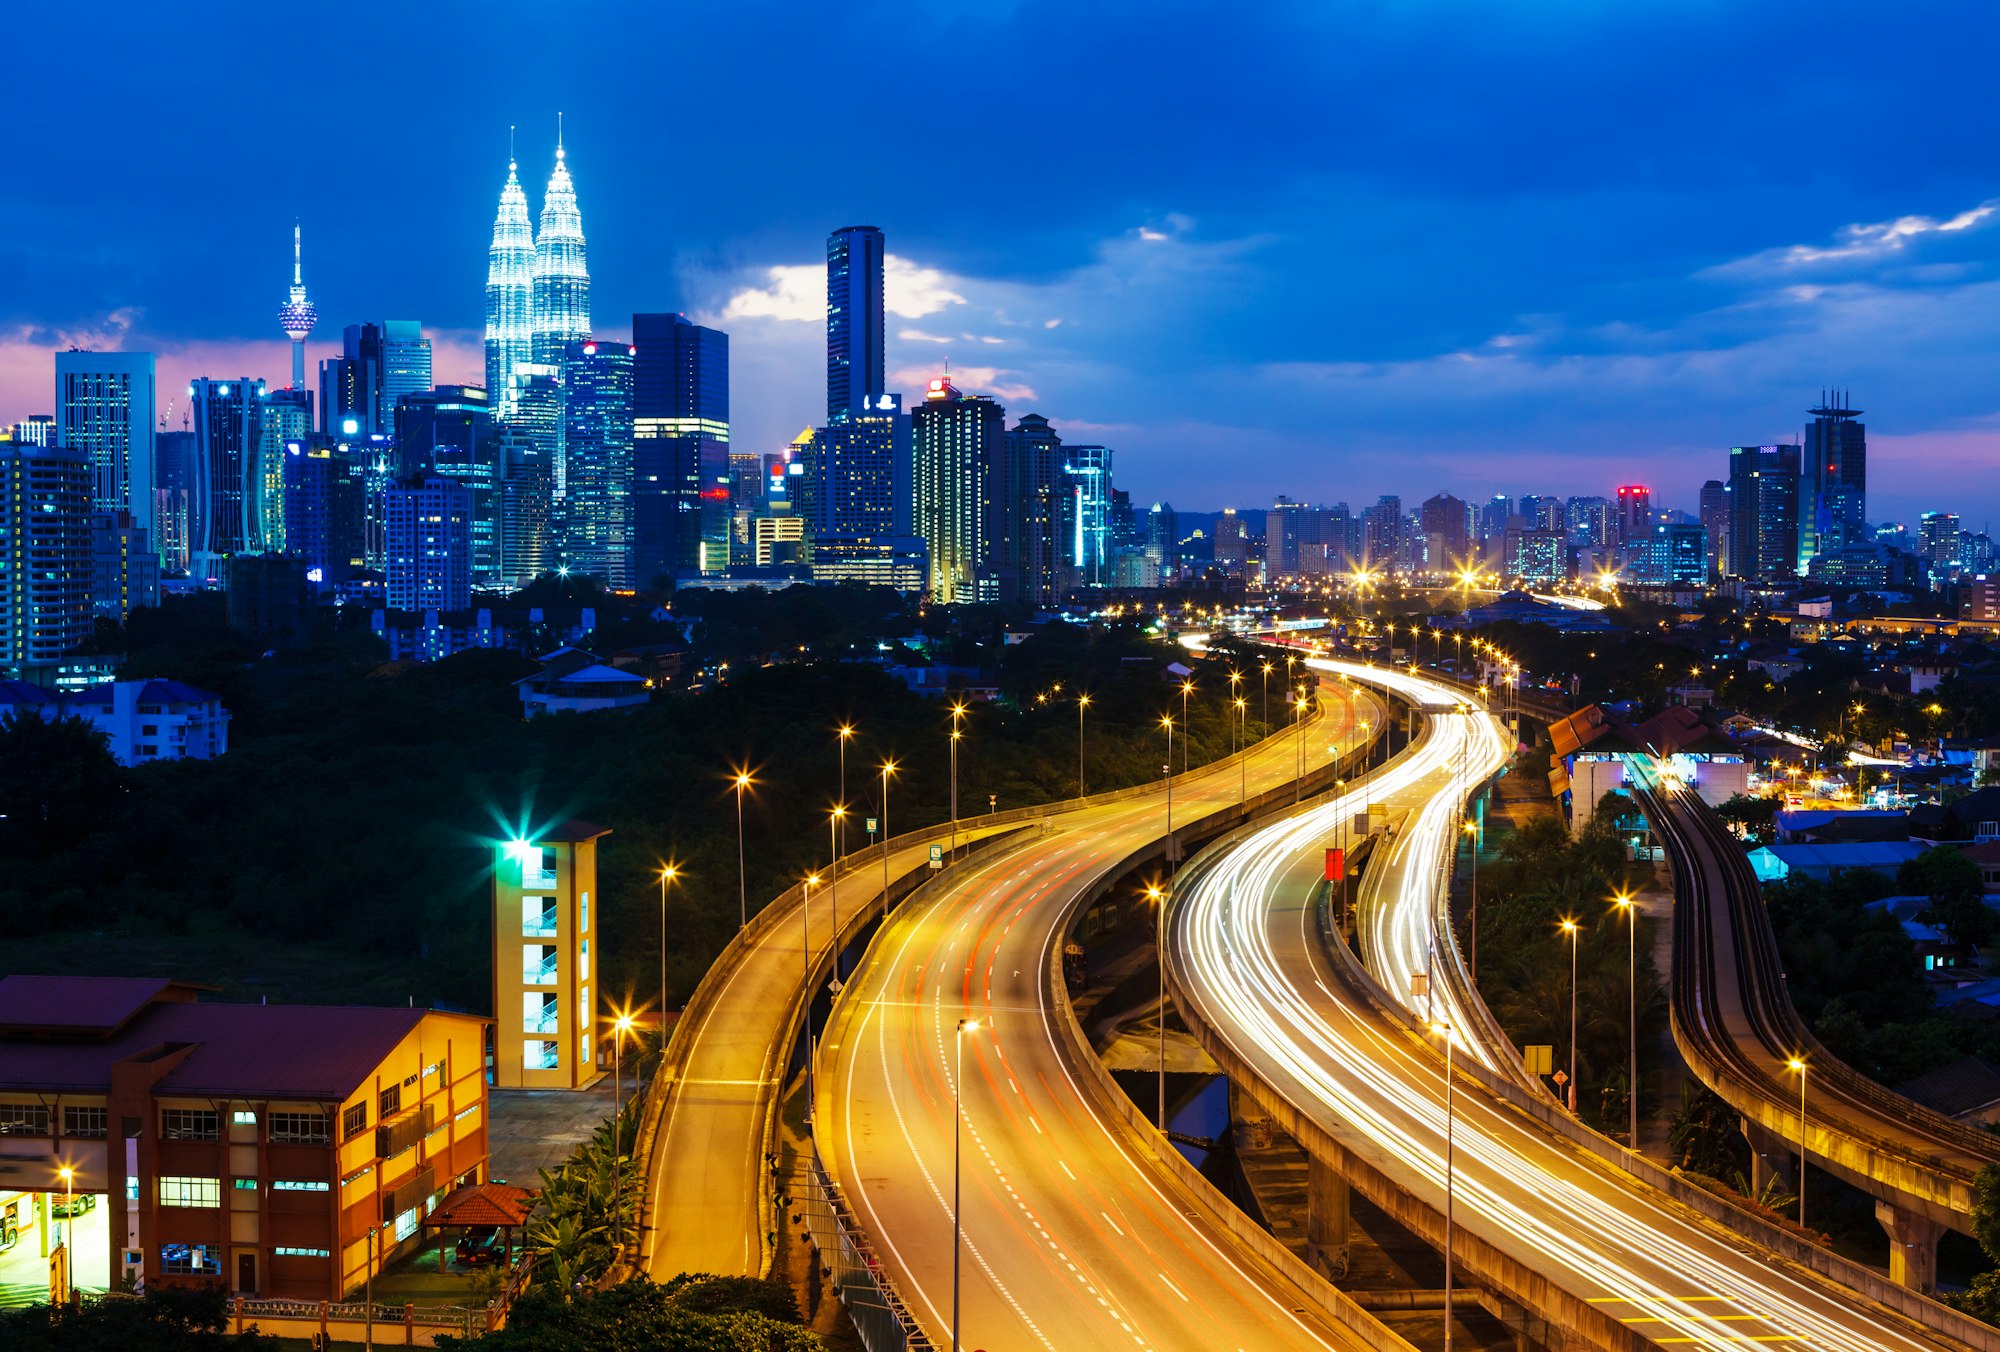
957 1116
1450 1123
1367 760
834 821
69 1225
1242 761
668 872
1264 694
743 781
1187 688
846 731
619 1028
1157 895
888 768
1472 829
1797 1065
1625 903
1167 723
1082 703
1575 932
957 712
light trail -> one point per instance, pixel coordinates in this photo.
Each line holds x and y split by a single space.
1250 964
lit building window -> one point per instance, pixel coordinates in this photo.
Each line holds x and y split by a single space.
178 1191
540 1054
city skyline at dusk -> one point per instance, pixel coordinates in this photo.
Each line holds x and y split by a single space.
1348 295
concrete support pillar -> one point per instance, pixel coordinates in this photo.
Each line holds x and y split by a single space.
1913 1242
1326 1218
1769 1157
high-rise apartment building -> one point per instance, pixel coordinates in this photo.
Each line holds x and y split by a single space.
104 411
597 445
1445 522
1084 517
37 429
1673 556
124 570
430 543
1589 521
288 417
1029 504
855 378
1937 541
325 511
510 275
174 471
1764 512
1833 465
1535 557
527 492
350 385
1382 533
224 519
955 440
45 553
680 448
559 295
449 429
1633 522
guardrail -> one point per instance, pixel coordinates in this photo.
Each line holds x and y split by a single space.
880 1317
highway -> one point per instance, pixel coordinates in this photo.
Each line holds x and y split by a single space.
1736 1025
1072 1238
1266 994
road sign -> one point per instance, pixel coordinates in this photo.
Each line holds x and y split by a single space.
937 856
1336 865
1561 1078
871 826
1539 1058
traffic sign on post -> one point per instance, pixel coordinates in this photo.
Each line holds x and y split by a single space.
1336 865
1539 1058
937 856
871 826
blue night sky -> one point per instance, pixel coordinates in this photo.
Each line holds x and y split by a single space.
1329 249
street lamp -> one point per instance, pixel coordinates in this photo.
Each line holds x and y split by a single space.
1082 703
1242 761
957 712
1472 829
1450 1123
1167 723
1797 1065
1575 933
619 1028
1264 694
1157 895
668 873
69 1225
957 1117
1625 903
1187 688
835 820
888 768
846 731
743 781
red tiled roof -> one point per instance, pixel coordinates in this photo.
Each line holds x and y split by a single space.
79 1004
495 1204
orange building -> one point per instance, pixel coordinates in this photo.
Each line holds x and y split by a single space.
279 1150
544 970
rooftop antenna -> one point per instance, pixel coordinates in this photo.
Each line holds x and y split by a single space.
510 145
559 148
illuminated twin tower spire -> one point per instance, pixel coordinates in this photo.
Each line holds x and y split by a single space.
537 285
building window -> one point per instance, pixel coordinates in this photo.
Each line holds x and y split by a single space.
539 1012
24 1119
192 1260
406 1225
284 1252
84 1121
243 1117
190 1124
243 1185
298 1185
583 912
583 1008
583 961
540 1054
298 1128
538 964
353 1121
538 917
358 1175
392 1101
190 1191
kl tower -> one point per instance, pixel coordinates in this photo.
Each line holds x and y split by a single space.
297 317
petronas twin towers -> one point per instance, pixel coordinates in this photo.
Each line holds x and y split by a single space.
537 285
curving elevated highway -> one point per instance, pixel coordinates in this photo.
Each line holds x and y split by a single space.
1739 1033
1077 1234
1542 1215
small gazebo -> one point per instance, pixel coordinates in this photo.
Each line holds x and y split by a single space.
478 1205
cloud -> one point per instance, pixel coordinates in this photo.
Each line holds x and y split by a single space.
993 380
795 292
912 291
1862 242
919 336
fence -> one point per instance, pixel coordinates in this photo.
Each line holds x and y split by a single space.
880 1317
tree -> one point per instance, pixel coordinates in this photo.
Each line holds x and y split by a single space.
58 783
1956 892
1982 1298
163 1320
694 1313
1704 1136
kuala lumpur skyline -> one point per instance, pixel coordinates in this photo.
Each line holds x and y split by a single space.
1557 347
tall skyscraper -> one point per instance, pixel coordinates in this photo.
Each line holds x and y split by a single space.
450 430
527 489
597 446
228 440
406 365
1084 517
45 554
172 498
1028 503
559 301
680 448
350 386
1382 533
854 321
1715 520
1937 541
430 544
1445 523
510 268
297 316
955 440
1589 521
1634 522
1764 512
325 515
287 418
1834 464
104 411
